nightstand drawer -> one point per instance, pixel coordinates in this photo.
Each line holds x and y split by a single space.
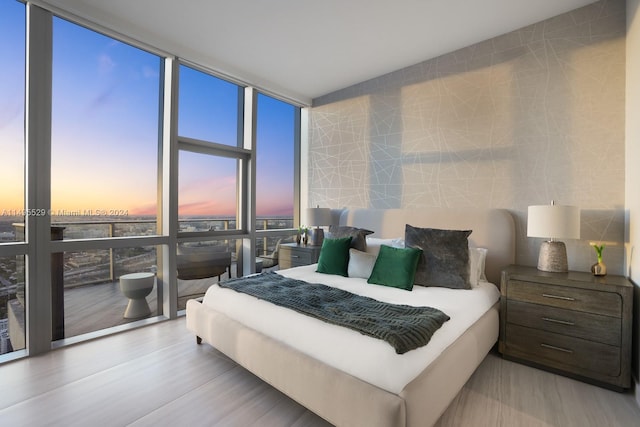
575 355
300 256
292 255
588 326
587 300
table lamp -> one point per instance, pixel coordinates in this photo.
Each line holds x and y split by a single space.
553 222
318 217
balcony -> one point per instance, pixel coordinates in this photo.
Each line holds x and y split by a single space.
90 294
89 308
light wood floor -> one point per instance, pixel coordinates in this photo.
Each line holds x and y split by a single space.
157 376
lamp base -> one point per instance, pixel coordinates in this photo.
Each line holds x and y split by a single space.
316 236
553 257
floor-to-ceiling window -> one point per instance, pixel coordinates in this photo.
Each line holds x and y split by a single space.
135 137
12 176
211 181
104 174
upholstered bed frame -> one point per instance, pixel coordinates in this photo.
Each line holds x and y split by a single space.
343 399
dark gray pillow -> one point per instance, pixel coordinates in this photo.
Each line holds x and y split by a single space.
358 235
445 256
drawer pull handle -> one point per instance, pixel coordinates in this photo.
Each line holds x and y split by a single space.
553 347
295 256
562 322
558 297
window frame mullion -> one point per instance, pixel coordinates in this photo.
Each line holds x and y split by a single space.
38 101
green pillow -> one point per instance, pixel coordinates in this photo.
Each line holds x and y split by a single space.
395 267
334 256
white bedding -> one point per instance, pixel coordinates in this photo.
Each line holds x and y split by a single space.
370 359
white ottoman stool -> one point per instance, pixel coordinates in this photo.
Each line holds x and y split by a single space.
136 287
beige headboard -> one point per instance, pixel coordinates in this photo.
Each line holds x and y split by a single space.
492 228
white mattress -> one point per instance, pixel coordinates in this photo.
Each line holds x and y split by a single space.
369 359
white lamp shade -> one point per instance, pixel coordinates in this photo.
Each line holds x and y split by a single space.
318 216
554 222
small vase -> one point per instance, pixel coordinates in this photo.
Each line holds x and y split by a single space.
599 269
305 239
297 239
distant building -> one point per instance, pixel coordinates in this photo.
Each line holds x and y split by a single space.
4 336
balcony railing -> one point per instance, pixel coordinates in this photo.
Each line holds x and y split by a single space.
97 266
73 269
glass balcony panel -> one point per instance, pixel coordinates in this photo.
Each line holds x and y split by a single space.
201 264
108 227
90 288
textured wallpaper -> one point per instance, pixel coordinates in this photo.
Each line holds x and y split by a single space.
518 120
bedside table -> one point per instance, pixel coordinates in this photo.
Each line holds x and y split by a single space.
573 324
294 255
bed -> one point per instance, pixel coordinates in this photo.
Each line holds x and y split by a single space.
346 387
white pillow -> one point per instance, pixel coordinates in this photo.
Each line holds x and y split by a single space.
374 243
360 263
477 257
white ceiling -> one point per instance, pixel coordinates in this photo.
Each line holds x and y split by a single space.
303 49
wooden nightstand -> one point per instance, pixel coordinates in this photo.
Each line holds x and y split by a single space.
573 323
294 255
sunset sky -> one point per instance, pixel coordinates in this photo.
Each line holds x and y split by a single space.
105 129
11 105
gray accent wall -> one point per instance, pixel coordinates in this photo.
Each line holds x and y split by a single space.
534 115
